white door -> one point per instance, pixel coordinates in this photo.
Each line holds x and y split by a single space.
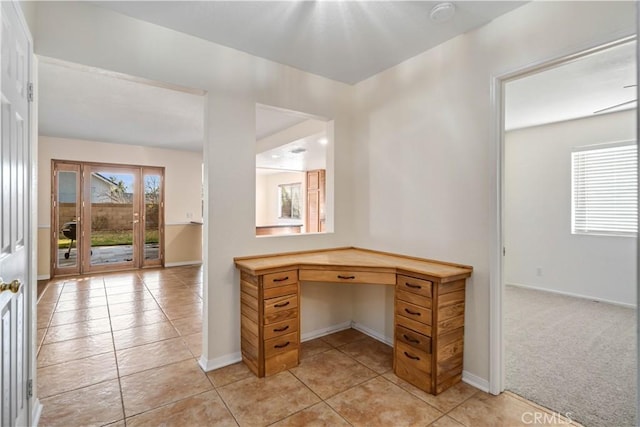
14 216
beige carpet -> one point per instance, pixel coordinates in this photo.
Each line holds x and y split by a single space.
572 355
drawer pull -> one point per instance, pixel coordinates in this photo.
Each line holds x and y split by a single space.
284 328
413 340
284 345
408 355
282 304
346 277
412 285
282 279
413 313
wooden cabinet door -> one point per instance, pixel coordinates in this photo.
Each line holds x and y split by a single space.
315 200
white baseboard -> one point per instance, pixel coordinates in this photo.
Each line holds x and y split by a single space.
36 412
308 336
475 381
181 263
44 277
219 362
570 294
373 334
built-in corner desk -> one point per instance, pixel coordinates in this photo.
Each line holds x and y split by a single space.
428 320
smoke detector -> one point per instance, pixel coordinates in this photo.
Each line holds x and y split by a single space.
442 12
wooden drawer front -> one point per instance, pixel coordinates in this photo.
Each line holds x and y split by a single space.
413 339
281 328
280 279
281 362
416 286
414 312
348 277
281 344
273 306
412 375
281 291
413 357
413 325
416 299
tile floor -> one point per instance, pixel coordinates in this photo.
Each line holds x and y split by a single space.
121 350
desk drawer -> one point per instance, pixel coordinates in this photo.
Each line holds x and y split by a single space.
338 276
414 312
408 370
416 299
414 339
416 286
279 291
281 344
280 279
281 328
411 356
281 362
413 325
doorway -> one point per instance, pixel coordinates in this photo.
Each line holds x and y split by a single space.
569 224
106 217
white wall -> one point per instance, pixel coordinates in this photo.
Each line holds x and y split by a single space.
235 82
538 213
427 159
267 197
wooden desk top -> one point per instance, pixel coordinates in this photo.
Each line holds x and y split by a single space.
353 258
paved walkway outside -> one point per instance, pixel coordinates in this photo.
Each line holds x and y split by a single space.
107 254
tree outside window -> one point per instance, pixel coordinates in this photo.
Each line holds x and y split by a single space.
290 200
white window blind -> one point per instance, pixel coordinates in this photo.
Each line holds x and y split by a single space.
605 190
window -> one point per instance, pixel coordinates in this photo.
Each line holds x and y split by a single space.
605 189
289 196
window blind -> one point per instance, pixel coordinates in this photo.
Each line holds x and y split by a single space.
605 190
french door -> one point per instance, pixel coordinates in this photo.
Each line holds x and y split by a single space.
106 217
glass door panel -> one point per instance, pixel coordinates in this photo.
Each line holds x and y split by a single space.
66 245
113 216
152 216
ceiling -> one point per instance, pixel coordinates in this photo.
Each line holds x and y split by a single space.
307 153
575 89
86 103
270 120
347 41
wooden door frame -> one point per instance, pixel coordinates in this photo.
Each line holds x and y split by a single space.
85 222
55 219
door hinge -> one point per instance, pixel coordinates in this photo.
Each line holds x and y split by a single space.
504 251
30 92
29 389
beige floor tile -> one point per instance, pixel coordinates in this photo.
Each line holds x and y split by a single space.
83 285
446 421
166 287
41 333
181 311
379 402
206 409
313 347
371 353
129 297
194 342
82 295
76 374
79 304
188 325
486 410
133 307
145 334
95 405
331 372
75 316
79 348
125 289
116 424
230 374
344 337
77 330
148 356
51 294
151 389
177 301
318 415
134 320
262 401
445 401
45 311
121 280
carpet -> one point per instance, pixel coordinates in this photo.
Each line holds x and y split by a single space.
574 356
